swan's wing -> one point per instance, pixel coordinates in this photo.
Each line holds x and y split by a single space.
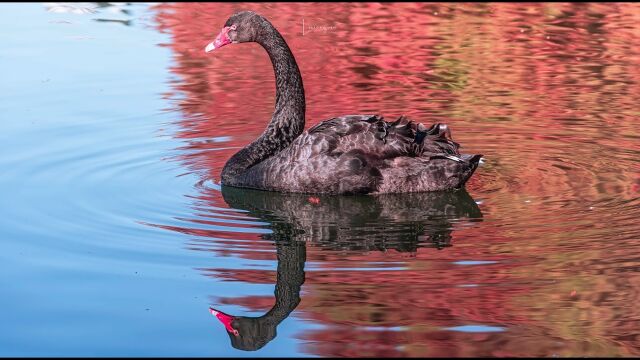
376 137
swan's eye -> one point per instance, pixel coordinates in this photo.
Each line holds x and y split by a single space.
234 26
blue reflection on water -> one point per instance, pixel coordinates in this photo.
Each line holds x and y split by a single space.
476 328
474 262
83 136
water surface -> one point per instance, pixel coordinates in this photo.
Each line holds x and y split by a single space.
115 238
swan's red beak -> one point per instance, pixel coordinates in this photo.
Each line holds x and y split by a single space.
225 320
221 40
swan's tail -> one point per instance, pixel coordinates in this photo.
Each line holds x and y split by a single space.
467 165
437 172
473 161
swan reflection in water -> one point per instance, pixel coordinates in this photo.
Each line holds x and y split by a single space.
401 222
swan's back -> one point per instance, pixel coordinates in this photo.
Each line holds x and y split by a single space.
365 154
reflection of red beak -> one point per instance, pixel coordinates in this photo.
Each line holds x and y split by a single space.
221 40
225 320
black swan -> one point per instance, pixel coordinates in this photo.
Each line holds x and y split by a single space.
351 154
402 222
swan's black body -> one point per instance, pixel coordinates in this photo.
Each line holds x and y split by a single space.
352 154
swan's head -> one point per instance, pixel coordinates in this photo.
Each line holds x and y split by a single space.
240 27
247 333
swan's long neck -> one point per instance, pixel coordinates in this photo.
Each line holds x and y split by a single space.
257 331
287 121
290 277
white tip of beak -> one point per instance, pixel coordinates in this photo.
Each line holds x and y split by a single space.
210 47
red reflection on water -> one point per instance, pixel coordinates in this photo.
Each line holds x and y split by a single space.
546 91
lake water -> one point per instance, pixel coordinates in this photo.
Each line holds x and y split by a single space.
115 239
